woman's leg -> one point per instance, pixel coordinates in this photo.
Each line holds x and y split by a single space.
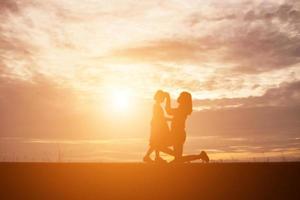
189 158
178 149
203 156
167 150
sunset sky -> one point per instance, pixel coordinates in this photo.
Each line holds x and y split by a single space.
78 76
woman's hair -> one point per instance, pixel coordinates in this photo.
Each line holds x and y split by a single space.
159 95
185 101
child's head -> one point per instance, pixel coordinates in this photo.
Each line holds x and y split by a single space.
159 96
185 102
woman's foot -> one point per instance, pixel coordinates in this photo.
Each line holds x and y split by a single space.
203 156
147 159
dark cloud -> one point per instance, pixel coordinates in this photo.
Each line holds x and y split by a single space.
197 18
248 11
261 50
171 50
286 95
274 113
288 12
9 6
265 44
254 51
258 40
246 122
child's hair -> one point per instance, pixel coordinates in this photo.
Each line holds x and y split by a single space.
158 95
185 101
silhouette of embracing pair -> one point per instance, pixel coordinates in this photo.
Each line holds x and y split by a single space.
170 140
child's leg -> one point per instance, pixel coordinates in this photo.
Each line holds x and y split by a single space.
150 150
157 154
158 158
147 156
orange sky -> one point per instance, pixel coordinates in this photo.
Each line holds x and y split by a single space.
64 62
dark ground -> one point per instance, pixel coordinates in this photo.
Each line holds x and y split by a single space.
149 181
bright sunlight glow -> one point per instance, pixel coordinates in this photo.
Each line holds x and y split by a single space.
121 100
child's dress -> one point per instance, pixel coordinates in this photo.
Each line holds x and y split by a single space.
159 128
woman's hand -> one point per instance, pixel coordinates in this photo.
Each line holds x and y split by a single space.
168 102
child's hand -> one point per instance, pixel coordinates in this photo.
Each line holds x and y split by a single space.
167 94
169 119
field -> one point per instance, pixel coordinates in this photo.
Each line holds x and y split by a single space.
149 181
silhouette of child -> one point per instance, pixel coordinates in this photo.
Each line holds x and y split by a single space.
159 128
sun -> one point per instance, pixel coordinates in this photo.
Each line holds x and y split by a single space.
121 100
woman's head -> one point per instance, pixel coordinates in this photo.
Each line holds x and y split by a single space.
159 96
185 102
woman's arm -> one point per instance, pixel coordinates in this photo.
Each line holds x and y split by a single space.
169 110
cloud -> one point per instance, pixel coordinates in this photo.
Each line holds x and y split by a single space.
286 95
264 38
181 50
246 122
274 113
286 12
226 51
16 58
201 49
43 108
9 5
40 108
